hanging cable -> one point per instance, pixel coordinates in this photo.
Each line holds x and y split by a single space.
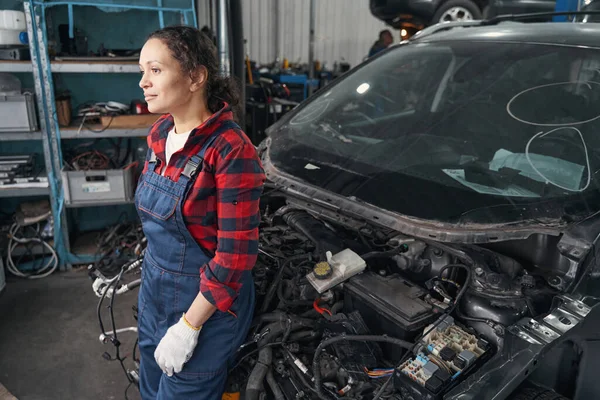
15 241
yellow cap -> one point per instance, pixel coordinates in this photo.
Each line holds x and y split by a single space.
322 270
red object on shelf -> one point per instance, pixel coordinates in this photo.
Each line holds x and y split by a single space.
139 107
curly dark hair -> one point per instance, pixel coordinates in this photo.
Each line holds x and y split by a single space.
192 49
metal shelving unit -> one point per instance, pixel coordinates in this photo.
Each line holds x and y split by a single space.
16 136
35 189
36 14
100 203
16 66
108 133
23 191
105 67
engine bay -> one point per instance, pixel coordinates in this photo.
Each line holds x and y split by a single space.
354 311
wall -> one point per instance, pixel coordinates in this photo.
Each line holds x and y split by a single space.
344 30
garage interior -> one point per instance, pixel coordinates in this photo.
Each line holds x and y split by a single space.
362 291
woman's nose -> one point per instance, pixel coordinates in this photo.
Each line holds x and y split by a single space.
144 82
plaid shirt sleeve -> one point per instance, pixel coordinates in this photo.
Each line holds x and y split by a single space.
239 180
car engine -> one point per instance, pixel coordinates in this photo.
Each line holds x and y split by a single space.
353 311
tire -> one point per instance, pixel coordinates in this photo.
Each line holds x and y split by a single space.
465 10
534 393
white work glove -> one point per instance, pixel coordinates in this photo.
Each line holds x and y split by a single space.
176 347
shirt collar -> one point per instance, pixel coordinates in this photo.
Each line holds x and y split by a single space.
160 131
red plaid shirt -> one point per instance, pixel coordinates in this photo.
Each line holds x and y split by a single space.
222 208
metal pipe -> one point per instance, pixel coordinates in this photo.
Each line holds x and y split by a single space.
238 62
109 5
223 37
311 47
278 26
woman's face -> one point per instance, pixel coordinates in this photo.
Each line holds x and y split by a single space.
166 88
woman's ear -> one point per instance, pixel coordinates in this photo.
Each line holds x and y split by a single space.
199 78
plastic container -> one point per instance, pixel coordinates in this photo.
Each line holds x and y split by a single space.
12 20
18 113
11 37
344 265
98 187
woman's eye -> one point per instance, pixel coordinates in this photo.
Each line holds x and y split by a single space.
142 72
155 70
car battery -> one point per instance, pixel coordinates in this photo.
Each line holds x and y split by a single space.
389 305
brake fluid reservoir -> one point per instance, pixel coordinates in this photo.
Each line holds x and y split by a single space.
339 268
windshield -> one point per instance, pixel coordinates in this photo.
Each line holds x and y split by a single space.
456 132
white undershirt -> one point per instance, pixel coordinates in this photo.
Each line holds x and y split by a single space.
175 142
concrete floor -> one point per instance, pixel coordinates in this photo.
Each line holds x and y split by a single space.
49 347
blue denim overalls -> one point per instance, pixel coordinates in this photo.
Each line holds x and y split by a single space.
171 282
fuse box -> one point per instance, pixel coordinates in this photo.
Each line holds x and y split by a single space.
449 352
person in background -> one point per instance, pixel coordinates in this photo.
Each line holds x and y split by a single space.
385 39
198 200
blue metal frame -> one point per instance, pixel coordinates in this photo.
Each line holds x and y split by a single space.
49 113
565 5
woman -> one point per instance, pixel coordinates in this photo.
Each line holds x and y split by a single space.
198 199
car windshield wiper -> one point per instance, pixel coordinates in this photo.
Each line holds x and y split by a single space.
503 178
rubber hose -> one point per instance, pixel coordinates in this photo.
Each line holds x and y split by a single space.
336 307
277 280
355 338
291 303
315 231
265 355
274 386
270 317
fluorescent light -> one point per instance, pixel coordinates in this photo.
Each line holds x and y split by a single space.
363 88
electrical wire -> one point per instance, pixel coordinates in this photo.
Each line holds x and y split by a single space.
111 287
361 338
14 242
448 311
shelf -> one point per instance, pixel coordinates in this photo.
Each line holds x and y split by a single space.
23 191
103 67
16 136
73 133
100 203
15 66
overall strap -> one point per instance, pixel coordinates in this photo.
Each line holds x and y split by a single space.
195 162
151 160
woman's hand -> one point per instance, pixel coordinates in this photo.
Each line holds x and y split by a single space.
177 346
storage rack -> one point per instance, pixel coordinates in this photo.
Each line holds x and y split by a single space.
22 191
35 11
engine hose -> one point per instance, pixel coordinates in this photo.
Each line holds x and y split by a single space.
277 393
315 231
277 280
375 254
337 307
265 355
270 317
355 338
291 303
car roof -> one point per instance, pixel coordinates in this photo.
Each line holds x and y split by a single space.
562 33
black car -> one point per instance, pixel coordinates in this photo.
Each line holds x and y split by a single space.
414 15
431 225
516 7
